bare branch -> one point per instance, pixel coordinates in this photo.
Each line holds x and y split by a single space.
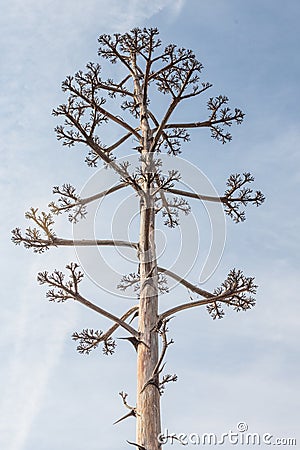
182 307
231 204
168 378
120 141
163 333
85 88
162 329
92 157
232 292
185 283
90 339
33 236
197 91
63 291
134 341
168 67
196 196
95 242
88 140
108 315
132 409
86 200
171 221
32 239
114 327
220 114
109 49
172 106
132 280
69 200
172 144
124 396
236 183
178 62
171 207
113 88
166 182
206 123
139 447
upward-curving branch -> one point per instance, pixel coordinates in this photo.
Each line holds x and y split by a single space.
63 290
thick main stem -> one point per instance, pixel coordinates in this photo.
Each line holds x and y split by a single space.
148 398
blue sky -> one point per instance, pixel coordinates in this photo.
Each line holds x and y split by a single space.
243 368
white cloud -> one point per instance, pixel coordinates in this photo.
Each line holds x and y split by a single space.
35 345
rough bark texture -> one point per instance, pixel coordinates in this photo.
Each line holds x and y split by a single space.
148 397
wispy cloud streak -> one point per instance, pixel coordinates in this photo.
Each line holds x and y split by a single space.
36 348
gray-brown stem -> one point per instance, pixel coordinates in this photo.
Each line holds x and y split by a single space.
148 400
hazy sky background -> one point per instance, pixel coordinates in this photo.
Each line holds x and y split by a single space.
242 368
